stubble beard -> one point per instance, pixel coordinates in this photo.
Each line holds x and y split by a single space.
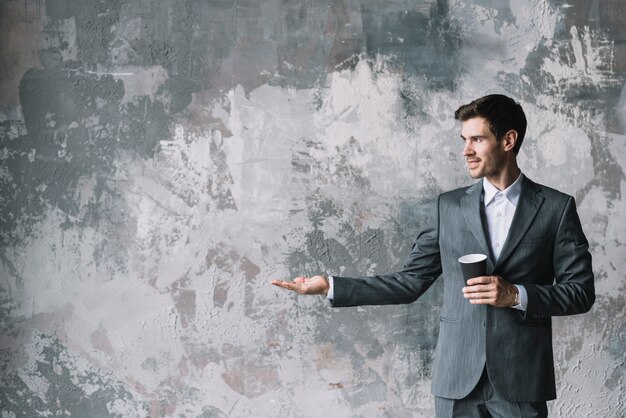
477 174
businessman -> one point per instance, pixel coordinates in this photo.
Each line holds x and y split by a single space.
494 351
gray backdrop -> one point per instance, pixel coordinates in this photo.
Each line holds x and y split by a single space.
161 161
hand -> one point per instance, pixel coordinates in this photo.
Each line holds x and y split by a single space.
316 285
490 290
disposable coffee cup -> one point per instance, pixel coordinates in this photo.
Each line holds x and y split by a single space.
473 265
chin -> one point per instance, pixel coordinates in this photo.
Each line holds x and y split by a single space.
476 175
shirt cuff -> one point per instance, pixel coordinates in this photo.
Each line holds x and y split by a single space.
523 298
331 288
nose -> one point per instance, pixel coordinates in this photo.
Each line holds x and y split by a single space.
467 149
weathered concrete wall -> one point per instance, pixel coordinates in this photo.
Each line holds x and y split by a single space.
161 161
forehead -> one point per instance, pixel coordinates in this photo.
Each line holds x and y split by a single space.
477 126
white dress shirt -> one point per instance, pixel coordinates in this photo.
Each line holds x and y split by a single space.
499 210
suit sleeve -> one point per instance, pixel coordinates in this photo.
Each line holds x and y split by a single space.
573 289
422 268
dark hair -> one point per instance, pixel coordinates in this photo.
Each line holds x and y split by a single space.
502 114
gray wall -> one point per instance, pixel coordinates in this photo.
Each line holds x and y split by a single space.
160 162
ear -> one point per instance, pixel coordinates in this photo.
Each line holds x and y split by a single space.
509 140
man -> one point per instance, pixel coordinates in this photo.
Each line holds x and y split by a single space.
494 352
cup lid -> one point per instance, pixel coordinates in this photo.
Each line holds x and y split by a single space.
472 258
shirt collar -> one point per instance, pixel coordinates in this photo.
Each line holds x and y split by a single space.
511 193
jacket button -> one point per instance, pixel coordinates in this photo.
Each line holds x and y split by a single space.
484 324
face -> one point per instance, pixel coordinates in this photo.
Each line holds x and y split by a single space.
484 155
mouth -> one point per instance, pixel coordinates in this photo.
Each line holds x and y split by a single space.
471 163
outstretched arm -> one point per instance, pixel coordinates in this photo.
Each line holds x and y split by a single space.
315 285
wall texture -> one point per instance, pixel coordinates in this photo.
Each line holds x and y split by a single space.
161 161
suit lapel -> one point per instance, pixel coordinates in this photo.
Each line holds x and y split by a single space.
470 205
527 207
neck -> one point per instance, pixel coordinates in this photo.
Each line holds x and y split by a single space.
505 177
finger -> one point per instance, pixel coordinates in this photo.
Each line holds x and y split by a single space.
479 288
480 295
480 280
482 301
287 285
279 283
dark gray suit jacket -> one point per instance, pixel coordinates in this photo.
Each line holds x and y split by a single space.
546 251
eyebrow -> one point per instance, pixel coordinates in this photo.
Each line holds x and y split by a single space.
474 136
